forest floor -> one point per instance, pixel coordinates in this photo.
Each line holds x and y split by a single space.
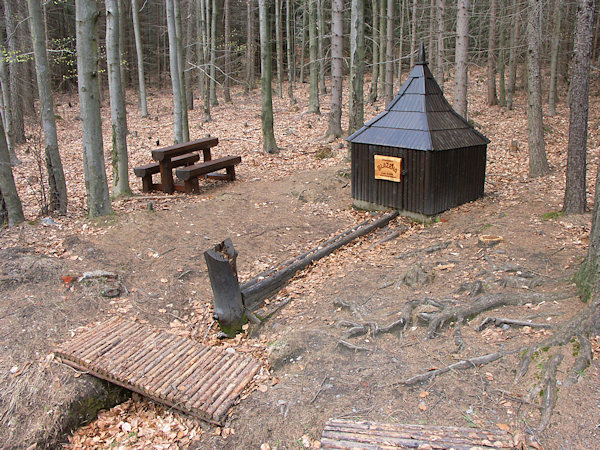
280 206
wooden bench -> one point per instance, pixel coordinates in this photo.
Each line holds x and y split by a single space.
145 172
168 158
189 175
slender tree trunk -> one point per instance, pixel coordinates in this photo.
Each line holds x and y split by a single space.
337 68
413 36
538 163
382 43
303 45
492 98
98 199
512 54
313 100
440 48
278 48
122 48
185 128
175 73
188 51
213 55
117 102
56 175
389 54
7 107
374 90
250 47
502 68
201 58
321 39
403 7
11 211
16 79
432 26
269 144
357 66
461 58
227 37
552 94
140 57
579 102
289 47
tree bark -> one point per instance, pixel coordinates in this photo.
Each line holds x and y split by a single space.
175 73
382 43
413 36
98 200
269 144
140 57
492 98
6 108
440 48
461 58
213 54
552 94
320 42
56 175
278 48
289 48
337 68
373 91
227 42
11 210
16 79
250 47
313 100
357 66
389 54
512 54
575 191
117 102
201 19
538 163
185 128
502 68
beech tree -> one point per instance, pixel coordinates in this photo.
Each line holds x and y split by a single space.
54 167
118 112
98 200
140 57
175 73
266 75
313 100
492 98
334 129
11 211
461 57
357 66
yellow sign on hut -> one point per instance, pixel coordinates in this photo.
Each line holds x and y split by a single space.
388 168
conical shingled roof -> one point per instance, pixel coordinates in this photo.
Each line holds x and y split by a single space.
419 118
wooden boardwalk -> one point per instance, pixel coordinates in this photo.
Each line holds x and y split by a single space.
347 434
176 371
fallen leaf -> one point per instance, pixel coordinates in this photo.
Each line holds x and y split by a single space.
422 406
423 394
263 388
503 426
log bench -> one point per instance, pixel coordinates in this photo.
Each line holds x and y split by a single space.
189 174
146 171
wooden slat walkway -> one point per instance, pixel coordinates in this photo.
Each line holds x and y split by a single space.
176 371
347 434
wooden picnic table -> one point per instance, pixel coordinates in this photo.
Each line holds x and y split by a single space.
164 156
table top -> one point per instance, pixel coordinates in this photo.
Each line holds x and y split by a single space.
179 149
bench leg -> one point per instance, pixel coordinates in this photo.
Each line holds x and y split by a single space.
191 186
231 172
147 183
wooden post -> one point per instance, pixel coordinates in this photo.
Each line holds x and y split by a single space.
228 307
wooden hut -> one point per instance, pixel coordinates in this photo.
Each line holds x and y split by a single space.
418 156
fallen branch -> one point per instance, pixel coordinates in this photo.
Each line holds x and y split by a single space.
499 321
428 250
356 348
461 365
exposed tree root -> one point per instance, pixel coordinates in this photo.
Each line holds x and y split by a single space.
499 321
581 363
550 391
464 364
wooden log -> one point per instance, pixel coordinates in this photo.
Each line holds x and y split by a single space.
228 307
255 292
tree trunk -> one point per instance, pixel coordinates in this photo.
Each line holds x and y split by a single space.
389 54
278 48
98 200
140 57
432 25
382 43
250 48
492 98
185 128
552 94
289 48
321 38
357 66
579 102
401 43
188 53
175 73
11 210
538 163
512 54
303 44
337 68
461 58
202 19
269 144
413 36
213 55
227 42
440 48
502 69
56 176
16 78
6 114
373 91
117 102
313 100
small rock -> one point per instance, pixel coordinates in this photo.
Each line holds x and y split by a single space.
48 222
